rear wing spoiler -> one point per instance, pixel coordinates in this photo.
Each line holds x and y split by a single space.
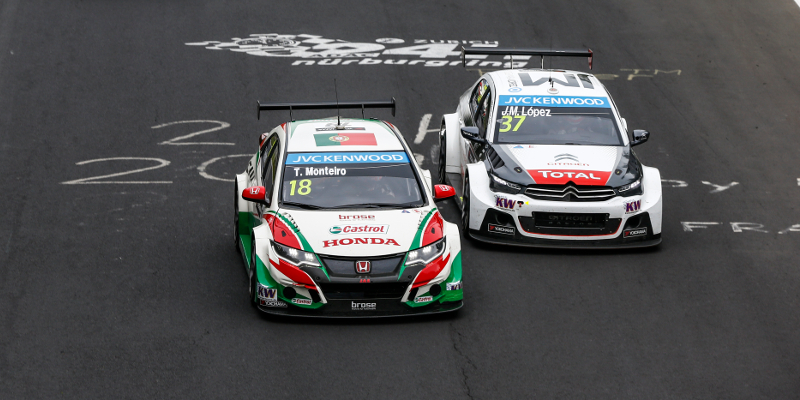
327 105
525 52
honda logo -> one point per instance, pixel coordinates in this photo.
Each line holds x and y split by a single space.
363 267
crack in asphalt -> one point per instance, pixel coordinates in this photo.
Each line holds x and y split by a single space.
456 341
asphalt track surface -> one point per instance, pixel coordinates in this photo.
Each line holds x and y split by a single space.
135 291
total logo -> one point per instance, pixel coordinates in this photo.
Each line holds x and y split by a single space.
578 175
305 302
356 306
354 229
348 242
633 206
356 217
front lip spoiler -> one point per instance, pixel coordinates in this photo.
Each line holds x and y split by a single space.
397 311
606 244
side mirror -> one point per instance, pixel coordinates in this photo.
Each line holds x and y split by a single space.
256 194
441 192
471 133
639 136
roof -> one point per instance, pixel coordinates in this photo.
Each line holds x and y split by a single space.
536 82
358 135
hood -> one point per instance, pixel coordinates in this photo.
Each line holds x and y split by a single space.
364 233
559 164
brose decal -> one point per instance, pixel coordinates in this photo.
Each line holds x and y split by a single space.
356 306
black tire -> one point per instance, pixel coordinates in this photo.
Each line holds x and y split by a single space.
465 208
236 217
443 155
251 274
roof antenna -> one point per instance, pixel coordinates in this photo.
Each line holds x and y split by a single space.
338 116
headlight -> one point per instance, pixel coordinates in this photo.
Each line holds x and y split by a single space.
501 185
294 256
630 189
425 255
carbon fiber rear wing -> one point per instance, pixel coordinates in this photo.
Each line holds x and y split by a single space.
525 52
327 105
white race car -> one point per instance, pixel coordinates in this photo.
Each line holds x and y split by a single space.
541 157
334 218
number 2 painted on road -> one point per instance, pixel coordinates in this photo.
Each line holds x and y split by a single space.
176 142
93 179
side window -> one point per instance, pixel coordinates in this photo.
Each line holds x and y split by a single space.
477 96
482 116
271 165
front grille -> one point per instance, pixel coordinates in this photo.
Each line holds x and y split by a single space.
355 291
569 192
346 266
569 224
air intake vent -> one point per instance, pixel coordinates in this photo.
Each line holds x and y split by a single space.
494 158
570 192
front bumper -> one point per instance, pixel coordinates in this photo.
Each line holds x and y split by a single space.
502 228
382 308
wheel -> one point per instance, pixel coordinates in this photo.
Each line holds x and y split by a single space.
443 155
253 284
465 208
236 238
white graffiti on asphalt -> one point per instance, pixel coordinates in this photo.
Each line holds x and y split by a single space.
317 50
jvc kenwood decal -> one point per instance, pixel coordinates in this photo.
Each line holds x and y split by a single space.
309 49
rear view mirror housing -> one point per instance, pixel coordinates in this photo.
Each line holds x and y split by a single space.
256 194
471 133
639 136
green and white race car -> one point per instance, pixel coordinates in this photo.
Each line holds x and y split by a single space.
334 218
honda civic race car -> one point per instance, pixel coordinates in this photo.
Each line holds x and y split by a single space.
334 218
541 157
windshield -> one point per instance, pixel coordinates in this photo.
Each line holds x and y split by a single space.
350 180
549 121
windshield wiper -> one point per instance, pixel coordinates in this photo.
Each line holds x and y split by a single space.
375 205
302 205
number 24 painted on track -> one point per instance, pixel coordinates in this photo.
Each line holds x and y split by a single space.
507 123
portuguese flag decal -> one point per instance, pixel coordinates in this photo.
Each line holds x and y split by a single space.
345 139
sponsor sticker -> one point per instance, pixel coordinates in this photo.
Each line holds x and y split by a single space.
267 293
515 89
506 203
423 299
359 229
349 241
633 206
346 127
554 101
305 302
501 229
454 286
272 303
357 306
634 232
346 158
356 217
563 176
345 139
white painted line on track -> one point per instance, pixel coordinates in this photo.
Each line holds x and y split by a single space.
423 128
203 166
719 188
